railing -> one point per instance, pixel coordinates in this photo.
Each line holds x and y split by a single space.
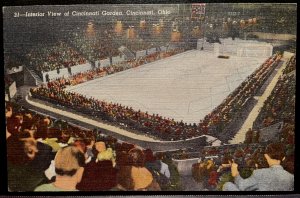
124 50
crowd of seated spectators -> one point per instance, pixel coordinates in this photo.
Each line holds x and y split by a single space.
56 56
280 105
290 65
97 47
214 168
272 177
11 60
47 154
155 125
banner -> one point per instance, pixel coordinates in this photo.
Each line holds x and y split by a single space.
198 9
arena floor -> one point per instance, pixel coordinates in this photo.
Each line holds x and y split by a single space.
185 87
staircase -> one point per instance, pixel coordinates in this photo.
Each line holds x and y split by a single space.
240 135
128 54
31 77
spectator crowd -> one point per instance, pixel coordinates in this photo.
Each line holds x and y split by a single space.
280 105
48 154
60 55
95 47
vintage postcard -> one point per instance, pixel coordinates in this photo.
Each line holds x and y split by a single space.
150 97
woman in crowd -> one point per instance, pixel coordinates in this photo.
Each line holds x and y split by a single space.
23 175
99 174
135 176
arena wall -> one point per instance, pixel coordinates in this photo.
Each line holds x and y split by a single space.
185 166
271 36
237 47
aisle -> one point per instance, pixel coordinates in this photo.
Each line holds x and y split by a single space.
240 136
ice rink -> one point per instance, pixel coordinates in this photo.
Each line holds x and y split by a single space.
185 87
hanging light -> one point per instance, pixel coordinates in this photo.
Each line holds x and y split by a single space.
175 35
90 29
119 27
242 23
142 24
250 21
131 32
196 31
156 29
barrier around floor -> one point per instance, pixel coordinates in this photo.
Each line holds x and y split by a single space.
54 74
104 62
140 53
185 166
117 59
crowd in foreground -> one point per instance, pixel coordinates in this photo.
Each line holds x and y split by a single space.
255 170
46 154
155 125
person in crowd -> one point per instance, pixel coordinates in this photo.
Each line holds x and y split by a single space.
164 167
249 136
162 172
135 176
8 114
151 163
274 178
69 168
23 174
99 174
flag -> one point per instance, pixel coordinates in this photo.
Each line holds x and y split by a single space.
197 10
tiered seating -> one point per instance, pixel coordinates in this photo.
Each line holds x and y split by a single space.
11 60
290 65
48 58
98 47
280 105
214 169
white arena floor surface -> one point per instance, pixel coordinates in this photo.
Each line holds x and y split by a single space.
185 87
